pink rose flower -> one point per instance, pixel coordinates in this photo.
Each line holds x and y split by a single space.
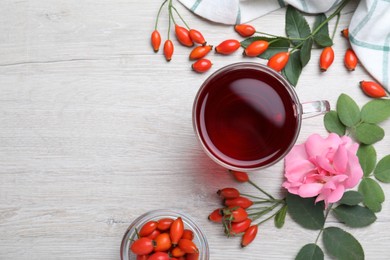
323 167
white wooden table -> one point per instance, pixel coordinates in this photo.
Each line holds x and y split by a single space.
95 129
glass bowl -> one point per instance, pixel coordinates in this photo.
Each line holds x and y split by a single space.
131 234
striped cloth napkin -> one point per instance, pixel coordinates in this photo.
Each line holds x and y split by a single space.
369 29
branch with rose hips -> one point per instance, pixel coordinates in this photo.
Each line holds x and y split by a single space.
240 212
288 55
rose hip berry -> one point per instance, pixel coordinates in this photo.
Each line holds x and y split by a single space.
187 246
216 216
159 256
278 61
326 58
227 47
245 30
249 235
197 37
372 89
201 65
183 36
256 48
176 230
350 59
155 39
168 50
345 33
235 214
240 176
200 51
148 228
242 202
142 246
239 227
228 193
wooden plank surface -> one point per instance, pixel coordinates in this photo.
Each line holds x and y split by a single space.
95 129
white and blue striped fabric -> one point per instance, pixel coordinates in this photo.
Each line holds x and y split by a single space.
369 29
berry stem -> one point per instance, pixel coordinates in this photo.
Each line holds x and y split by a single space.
170 17
181 18
270 217
158 14
336 25
261 190
256 197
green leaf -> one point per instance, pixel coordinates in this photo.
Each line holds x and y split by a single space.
305 211
351 198
296 25
280 217
306 51
310 252
341 244
348 110
322 37
281 45
354 216
323 40
333 124
382 170
367 158
369 133
376 111
372 193
293 69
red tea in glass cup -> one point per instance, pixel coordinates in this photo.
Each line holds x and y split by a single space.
248 117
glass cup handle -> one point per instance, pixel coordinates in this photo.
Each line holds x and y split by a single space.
315 108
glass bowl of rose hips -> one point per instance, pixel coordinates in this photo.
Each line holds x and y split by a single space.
164 234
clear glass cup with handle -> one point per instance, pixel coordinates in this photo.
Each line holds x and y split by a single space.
248 116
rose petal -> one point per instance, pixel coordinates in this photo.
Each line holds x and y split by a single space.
349 144
316 145
325 164
310 190
340 159
336 194
355 171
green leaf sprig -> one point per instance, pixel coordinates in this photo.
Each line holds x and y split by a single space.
363 125
299 41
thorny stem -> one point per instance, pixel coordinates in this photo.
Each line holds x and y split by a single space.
158 14
181 18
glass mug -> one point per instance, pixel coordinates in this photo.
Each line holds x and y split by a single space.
248 117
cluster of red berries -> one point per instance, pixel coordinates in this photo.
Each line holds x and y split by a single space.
234 217
238 215
190 37
165 239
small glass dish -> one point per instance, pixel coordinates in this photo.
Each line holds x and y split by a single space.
131 232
